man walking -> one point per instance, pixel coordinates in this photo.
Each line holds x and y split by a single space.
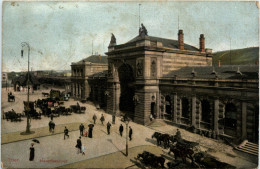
81 129
108 128
66 132
50 126
102 119
121 129
79 144
130 133
94 118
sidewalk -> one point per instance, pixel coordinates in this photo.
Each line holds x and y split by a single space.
111 160
39 132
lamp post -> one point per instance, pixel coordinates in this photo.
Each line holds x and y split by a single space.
24 44
126 120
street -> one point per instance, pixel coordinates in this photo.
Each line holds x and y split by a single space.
54 151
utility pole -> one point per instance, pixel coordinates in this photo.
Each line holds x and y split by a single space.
23 44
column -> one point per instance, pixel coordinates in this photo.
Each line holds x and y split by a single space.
244 116
79 90
117 98
175 108
216 115
193 111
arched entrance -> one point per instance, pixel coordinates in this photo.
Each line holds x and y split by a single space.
168 107
230 123
127 90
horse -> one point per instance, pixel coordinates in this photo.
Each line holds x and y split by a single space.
181 151
151 159
165 138
158 138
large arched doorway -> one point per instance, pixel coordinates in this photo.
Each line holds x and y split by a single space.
230 123
126 78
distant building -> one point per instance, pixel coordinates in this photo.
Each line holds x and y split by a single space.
4 79
20 82
82 70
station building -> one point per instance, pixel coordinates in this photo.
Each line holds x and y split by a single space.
173 81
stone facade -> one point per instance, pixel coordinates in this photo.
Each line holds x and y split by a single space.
177 82
80 73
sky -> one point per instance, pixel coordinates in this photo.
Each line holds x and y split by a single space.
62 32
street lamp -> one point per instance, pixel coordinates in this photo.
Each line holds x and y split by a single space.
24 44
126 120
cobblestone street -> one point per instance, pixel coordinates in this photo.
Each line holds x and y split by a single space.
54 151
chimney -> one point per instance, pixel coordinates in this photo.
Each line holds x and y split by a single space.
218 63
202 43
181 40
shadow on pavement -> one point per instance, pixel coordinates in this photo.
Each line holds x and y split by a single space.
109 140
137 163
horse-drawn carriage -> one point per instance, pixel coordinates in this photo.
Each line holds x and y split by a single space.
12 115
29 108
78 109
11 97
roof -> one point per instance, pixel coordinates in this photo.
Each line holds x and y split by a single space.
168 43
94 59
22 79
100 74
223 72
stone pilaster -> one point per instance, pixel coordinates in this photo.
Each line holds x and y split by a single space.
117 98
244 115
175 108
193 111
216 116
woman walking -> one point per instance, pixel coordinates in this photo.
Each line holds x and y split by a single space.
31 152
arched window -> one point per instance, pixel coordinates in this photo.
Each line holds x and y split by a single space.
205 111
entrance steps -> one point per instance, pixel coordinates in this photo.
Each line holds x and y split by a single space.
248 147
157 123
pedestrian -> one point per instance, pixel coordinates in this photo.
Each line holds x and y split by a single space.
121 129
50 126
53 126
78 145
130 133
81 129
83 150
90 129
66 132
31 152
85 134
94 118
102 119
151 117
108 128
